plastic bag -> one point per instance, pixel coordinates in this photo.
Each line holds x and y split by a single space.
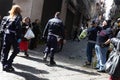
29 34
83 34
112 65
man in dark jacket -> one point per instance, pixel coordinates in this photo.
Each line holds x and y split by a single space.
53 31
92 35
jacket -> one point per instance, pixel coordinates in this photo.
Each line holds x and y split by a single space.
13 27
54 26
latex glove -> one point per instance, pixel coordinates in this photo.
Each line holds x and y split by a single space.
19 40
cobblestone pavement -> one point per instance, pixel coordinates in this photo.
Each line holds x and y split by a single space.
69 65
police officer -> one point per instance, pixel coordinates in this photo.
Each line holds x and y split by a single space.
53 31
11 26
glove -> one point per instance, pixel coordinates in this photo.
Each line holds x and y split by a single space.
19 40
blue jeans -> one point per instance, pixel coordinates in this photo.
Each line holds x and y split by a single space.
101 56
89 51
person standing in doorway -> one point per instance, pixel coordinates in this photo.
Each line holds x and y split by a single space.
53 31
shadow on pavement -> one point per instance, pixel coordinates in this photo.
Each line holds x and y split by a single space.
32 58
30 69
77 70
28 76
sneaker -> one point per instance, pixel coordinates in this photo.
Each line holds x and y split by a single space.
100 70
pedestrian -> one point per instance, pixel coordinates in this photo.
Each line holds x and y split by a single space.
25 42
11 27
115 41
102 45
53 31
36 30
92 35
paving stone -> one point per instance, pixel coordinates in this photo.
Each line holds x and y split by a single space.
69 65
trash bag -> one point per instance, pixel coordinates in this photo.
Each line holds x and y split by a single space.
112 66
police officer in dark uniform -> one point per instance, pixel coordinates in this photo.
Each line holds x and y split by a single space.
11 27
53 31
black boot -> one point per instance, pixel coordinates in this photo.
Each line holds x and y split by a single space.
8 68
45 56
52 62
26 54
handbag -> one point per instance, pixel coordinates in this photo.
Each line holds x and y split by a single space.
112 66
29 34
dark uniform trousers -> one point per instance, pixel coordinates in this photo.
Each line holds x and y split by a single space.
51 47
9 40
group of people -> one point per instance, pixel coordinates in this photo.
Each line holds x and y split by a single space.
99 39
13 29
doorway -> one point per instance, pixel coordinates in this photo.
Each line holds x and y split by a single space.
69 24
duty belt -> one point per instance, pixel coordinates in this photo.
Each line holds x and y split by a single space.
7 31
57 36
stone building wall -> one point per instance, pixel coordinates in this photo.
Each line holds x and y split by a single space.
26 6
31 8
72 14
